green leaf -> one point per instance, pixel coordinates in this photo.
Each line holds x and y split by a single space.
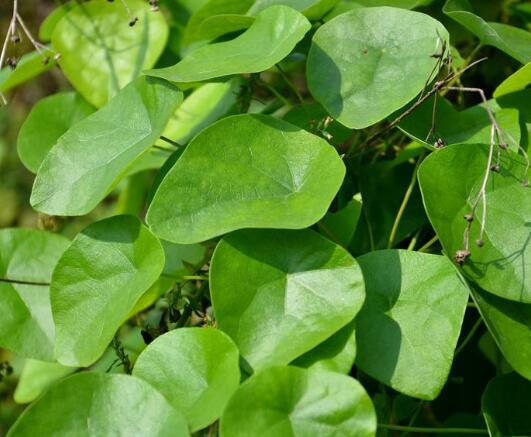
37 377
517 81
311 9
28 255
246 171
101 52
203 375
289 401
48 120
450 180
201 108
270 39
29 66
340 226
48 25
510 325
280 293
74 178
406 4
179 258
471 125
96 284
357 62
90 404
506 404
511 40
337 353
408 327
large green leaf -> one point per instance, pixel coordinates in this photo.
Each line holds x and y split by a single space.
37 377
246 171
357 62
312 9
517 81
506 404
203 375
48 120
29 66
408 327
90 158
509 323
289 401
272 36
97 404
511 40
450 180
101 53
280 293
97 282
28 255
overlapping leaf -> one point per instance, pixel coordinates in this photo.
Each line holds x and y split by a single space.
246 171
311 9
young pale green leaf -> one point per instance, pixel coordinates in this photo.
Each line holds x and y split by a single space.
29 66
311 9
511 40
90 158
101 52
28 255
506 404
203 374
509 323
272 36
98 404
246 171
517 81
48 25
201 108
280 293
37 377
471 125
358 60
48 120
450 180
289 401
408 327
337 353
96 284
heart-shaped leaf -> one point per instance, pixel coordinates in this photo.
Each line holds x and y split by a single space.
90 404
101 52
270 39
408 327
289 401
28 257
270 175
280 293
96 284
357 62
450 180
203 375
48 120
74 178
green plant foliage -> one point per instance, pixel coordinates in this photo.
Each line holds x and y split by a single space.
312 9
203 376
101 52
284 304
340 226
506 404
49 119
509 39
357 59
29 257
515 82
289 401
97 281
408 327
270 39
272 174
502 265
118 134
89 404
28 67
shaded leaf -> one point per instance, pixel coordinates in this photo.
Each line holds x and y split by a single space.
340 226
517 81
271 174
97 282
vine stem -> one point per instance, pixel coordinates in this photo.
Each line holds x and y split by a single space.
429 244
405 201
290 84
433 430
20 282
10 31
468 337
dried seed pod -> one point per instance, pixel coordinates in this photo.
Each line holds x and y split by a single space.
45 60
469 217
57 56
439 144
461 256
495 168
480 242
133 21
504 146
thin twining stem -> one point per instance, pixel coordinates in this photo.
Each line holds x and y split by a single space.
21 282
468 337
38 46
433 430
11 30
